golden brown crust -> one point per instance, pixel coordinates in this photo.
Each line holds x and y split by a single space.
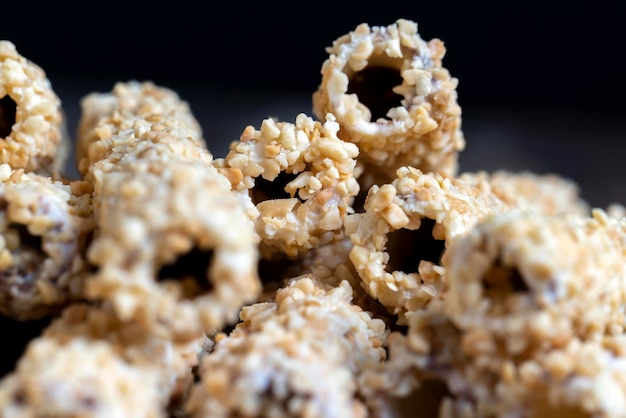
32 124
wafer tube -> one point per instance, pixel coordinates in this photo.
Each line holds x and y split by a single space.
88 363
300 180
423 212
476 378
44 229
532 281
33 133
298 355
408 224
531 325
393 98
106 114
174 248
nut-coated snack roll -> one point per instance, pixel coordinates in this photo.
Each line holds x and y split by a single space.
297 355
33 132
44 230
88 363
105 114
393 98
399 240
532 324
174 247
299 177
534 281
407 225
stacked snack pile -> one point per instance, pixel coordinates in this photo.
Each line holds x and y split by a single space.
338 265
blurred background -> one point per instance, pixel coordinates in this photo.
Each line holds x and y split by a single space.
541 84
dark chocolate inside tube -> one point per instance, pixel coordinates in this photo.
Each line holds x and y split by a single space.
190 272
28 258
269 190
374 87
17 334
8 109
408 247
500 281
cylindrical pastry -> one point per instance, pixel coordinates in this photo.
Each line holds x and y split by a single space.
300 178
88 363
408 224
105 114
298 355
33 132
532 323
425 369
534 281
44 229
391 96
174 248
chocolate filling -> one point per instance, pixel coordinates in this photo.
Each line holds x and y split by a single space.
408 247
269 190
500 281
374 87
8 108
189 272
18 335
28 259
274 271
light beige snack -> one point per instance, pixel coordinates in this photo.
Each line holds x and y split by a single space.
89 364
300 179
408 224
391 96
33 134
532 323
532 282
581 379
174 248
426 370
298 355
106 114
44 229
404 271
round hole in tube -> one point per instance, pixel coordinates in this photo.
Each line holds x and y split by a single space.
189 272
408 247
8 109
374 87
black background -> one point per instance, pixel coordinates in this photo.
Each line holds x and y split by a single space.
541 84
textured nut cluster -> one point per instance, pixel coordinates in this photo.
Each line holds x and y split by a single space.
312 176
33 133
